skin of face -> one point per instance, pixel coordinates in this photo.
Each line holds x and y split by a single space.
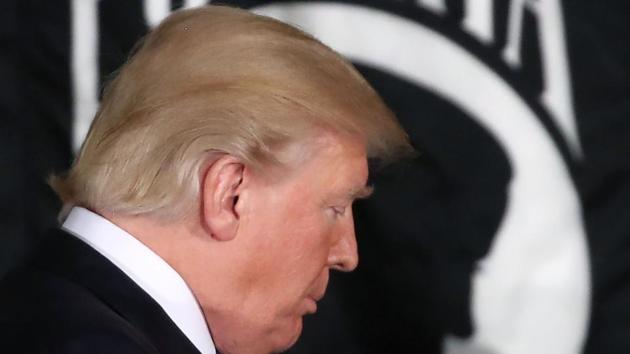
291 232
258 253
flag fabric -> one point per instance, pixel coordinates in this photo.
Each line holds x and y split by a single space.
509 233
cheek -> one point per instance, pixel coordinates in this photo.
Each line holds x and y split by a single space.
313 234
292 237
299 258
289 250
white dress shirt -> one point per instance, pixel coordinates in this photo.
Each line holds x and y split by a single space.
147 270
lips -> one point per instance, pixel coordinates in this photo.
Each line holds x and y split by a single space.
312 300
311 305
318 296
317 293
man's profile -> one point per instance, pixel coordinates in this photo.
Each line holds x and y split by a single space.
210 199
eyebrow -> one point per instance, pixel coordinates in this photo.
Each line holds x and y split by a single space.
361 192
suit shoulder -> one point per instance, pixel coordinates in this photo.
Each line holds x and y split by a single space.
52 314
94 343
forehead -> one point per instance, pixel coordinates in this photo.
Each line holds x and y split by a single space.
336 164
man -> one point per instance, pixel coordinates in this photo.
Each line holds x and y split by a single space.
210 199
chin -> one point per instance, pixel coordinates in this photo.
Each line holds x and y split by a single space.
290 337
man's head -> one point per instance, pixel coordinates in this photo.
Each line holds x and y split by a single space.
233 145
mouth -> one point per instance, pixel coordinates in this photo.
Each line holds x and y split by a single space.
311 305
311 301
316 294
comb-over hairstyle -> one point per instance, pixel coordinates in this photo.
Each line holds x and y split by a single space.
217 79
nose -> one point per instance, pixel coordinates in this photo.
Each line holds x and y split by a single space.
343 254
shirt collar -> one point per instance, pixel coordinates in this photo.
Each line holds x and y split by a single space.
146 269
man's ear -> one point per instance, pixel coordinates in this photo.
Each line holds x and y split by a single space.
220 189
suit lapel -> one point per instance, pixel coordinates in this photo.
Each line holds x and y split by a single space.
71 258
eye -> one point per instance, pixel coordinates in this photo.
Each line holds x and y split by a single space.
339 210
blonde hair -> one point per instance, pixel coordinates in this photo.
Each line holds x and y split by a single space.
216 79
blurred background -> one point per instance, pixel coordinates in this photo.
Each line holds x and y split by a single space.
510 233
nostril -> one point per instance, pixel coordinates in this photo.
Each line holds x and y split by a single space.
344 256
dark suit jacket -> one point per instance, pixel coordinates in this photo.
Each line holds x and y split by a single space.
70 299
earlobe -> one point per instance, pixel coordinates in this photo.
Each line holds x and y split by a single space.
220 189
